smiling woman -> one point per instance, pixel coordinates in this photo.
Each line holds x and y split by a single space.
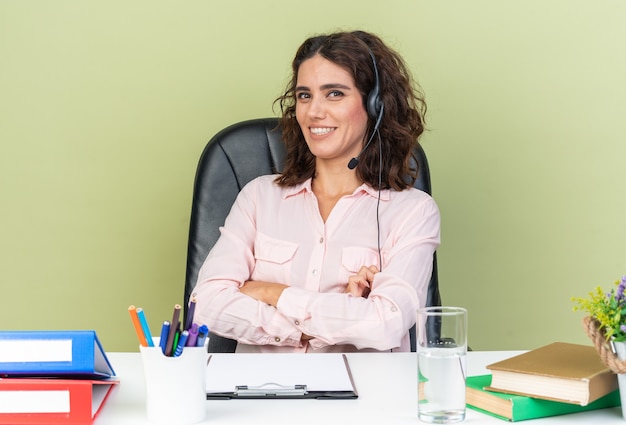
330 112
326 256
387 94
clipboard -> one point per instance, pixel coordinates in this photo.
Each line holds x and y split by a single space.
279 376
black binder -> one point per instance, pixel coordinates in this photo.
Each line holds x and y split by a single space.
279 376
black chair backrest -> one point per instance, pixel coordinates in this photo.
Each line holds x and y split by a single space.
232 158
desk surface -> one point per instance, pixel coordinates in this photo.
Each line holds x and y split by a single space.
387 395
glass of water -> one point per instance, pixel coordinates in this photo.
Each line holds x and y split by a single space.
441 364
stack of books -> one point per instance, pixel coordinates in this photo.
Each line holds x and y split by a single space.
52 377
555 379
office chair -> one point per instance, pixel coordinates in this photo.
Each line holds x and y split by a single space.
232 158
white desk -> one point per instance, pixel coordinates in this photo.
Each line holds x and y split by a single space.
387 395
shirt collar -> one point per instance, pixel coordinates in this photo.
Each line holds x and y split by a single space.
299 188
364 188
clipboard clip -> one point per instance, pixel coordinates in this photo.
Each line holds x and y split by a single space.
270 389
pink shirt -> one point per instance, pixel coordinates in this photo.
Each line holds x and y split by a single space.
277 234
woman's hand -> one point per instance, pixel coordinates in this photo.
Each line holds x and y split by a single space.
267 292
360 284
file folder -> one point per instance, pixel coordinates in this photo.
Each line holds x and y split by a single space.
46 401
279 375
53 353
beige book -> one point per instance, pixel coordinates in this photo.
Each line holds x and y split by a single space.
569 373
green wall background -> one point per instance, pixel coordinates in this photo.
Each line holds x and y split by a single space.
105 107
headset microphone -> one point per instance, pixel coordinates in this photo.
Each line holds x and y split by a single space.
375 108
355 161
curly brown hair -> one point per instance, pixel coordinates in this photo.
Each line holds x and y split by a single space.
403 117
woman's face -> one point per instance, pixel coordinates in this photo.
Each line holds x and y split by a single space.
330 111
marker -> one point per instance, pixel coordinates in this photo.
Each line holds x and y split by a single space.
193 335
145 327
203 332
173 327
165 330
132 310
175 343
190 312
181 343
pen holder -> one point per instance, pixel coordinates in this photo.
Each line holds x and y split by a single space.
175 386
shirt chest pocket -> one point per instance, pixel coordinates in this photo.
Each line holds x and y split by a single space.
274 259
355 257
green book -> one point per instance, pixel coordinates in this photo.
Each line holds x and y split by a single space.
515 408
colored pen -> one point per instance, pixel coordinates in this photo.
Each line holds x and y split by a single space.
165 331
181 343
203 332
190 312
173 327
175 343
193 335
135 318
145 327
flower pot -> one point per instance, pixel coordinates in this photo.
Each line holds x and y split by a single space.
612 354
620 350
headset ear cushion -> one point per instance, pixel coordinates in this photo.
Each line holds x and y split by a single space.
373 103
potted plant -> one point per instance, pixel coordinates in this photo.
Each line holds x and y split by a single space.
605 324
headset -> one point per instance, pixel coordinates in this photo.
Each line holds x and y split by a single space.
375 108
